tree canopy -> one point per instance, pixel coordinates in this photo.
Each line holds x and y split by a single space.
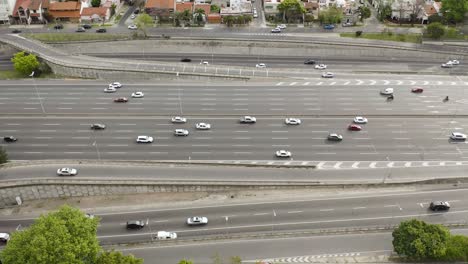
143 21
3 156
331 15
365 12
454 10
417 240
291 8
25 63
435 30
95 3
116 257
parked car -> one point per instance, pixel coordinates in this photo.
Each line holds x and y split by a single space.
67 172
16 31
58 26
283 154
133 16
101 30
248 119
4 237
439 206
417 90
334 137
98 126
197 220
80 29
86 26
10 139
144 139
138 224
132 27
329 26
347 24
136 12
163 235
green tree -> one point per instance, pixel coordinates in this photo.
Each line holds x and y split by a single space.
64 236
457 249
385 12
198 15
116 257
25 63
3 156
416 240
454 10
215 9
95 3
331 15
113 7
291 9
435 18
435 30
184 261
365 12
229 20
235 260
143 21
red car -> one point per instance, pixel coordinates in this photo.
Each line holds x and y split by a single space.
417 90
121 100
354 127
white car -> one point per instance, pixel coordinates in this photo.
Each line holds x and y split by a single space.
67 172
457 136
178 119
454 62
360 120
132 27
144 139
387 91
133 16
292 121
283 154
260 65
255 15
203 126
181 132
115 85
248 119
197 220
4 237
110 90
447 65
334 137
328 75
163 235
320 66
276 30
204 62
138 95
282 26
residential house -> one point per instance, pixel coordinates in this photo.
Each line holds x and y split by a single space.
312 7
65 11
271 7
430 9
30 11
403 9
182 6
6 10
237 7
329 3
161 9
95 14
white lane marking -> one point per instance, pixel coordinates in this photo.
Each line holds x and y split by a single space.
77 145
337 165
262 214
294 212
117 145
160 221
391 205
72 152
372 165
355 165
327 210
43 137
10 124
32 152
359 208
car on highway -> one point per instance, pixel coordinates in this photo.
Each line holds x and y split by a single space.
354 127
137 224
164 235
260 65
203 126
283 154
276 30
86 26
360 120
309 62
144 139
417 90
248 120
447 65
204 63
179 120
439 206
10 139
197 220
454 62
186 60
132 27
138 95
101 30
328 75
387 91
457 136
292 121
110 90
115 85
58 26
281 26
121 100
320 66
80 29
181 132
98 126
329 26
16 31
334 137
4 238
67 172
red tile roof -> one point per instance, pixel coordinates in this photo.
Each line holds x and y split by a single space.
430 10
65 14
180 7
89 11
160 4
65 6
45 3
35 4
206 7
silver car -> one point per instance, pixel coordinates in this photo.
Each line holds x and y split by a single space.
197 220
178 119
67 172
181 132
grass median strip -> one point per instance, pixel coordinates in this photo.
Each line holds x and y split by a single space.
388 36
67 37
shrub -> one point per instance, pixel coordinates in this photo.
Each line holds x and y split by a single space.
358 33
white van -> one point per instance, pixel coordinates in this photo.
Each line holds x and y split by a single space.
163 235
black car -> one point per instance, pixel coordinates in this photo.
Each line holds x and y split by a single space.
16 31
137 11
58 26
309 62
10 139
186 60
439 206
101 30
86 26
135 224
98 126
80 29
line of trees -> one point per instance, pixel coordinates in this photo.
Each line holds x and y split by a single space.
416 240
237 20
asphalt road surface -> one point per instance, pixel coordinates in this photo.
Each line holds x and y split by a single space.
346 211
